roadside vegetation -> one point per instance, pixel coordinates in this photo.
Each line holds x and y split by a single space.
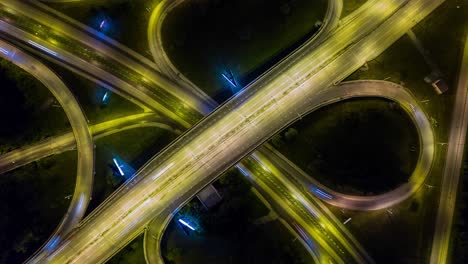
231 232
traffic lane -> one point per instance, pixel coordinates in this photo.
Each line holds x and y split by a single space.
138 94
93 40
62 143
311 207
306 223
409 104
289 171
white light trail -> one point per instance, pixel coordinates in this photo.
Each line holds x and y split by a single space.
162 171
4 51
42 47
186 224
118 167
229 80
104 97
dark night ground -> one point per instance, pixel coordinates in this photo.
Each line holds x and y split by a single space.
29 212
227 233
205 38
357 146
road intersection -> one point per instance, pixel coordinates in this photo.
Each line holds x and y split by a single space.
117 217
302 78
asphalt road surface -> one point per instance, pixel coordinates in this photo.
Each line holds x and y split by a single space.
65 142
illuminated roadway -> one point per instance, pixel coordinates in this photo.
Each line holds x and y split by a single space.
62 143
66 142
225 136
162 60
375 202
139 120
94 56
347 201
338 199
63 53
153 236
80 132
341 200
60 52
284 174
452 169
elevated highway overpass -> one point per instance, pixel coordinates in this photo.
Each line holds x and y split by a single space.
204 150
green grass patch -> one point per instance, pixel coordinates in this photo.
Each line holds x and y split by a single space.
205 38
33 203
362 146
443 35
268 243
351 5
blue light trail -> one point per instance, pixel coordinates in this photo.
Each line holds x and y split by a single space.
118 167
4 51
322 193
105 97
242 171
229 80
186 224
102 24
